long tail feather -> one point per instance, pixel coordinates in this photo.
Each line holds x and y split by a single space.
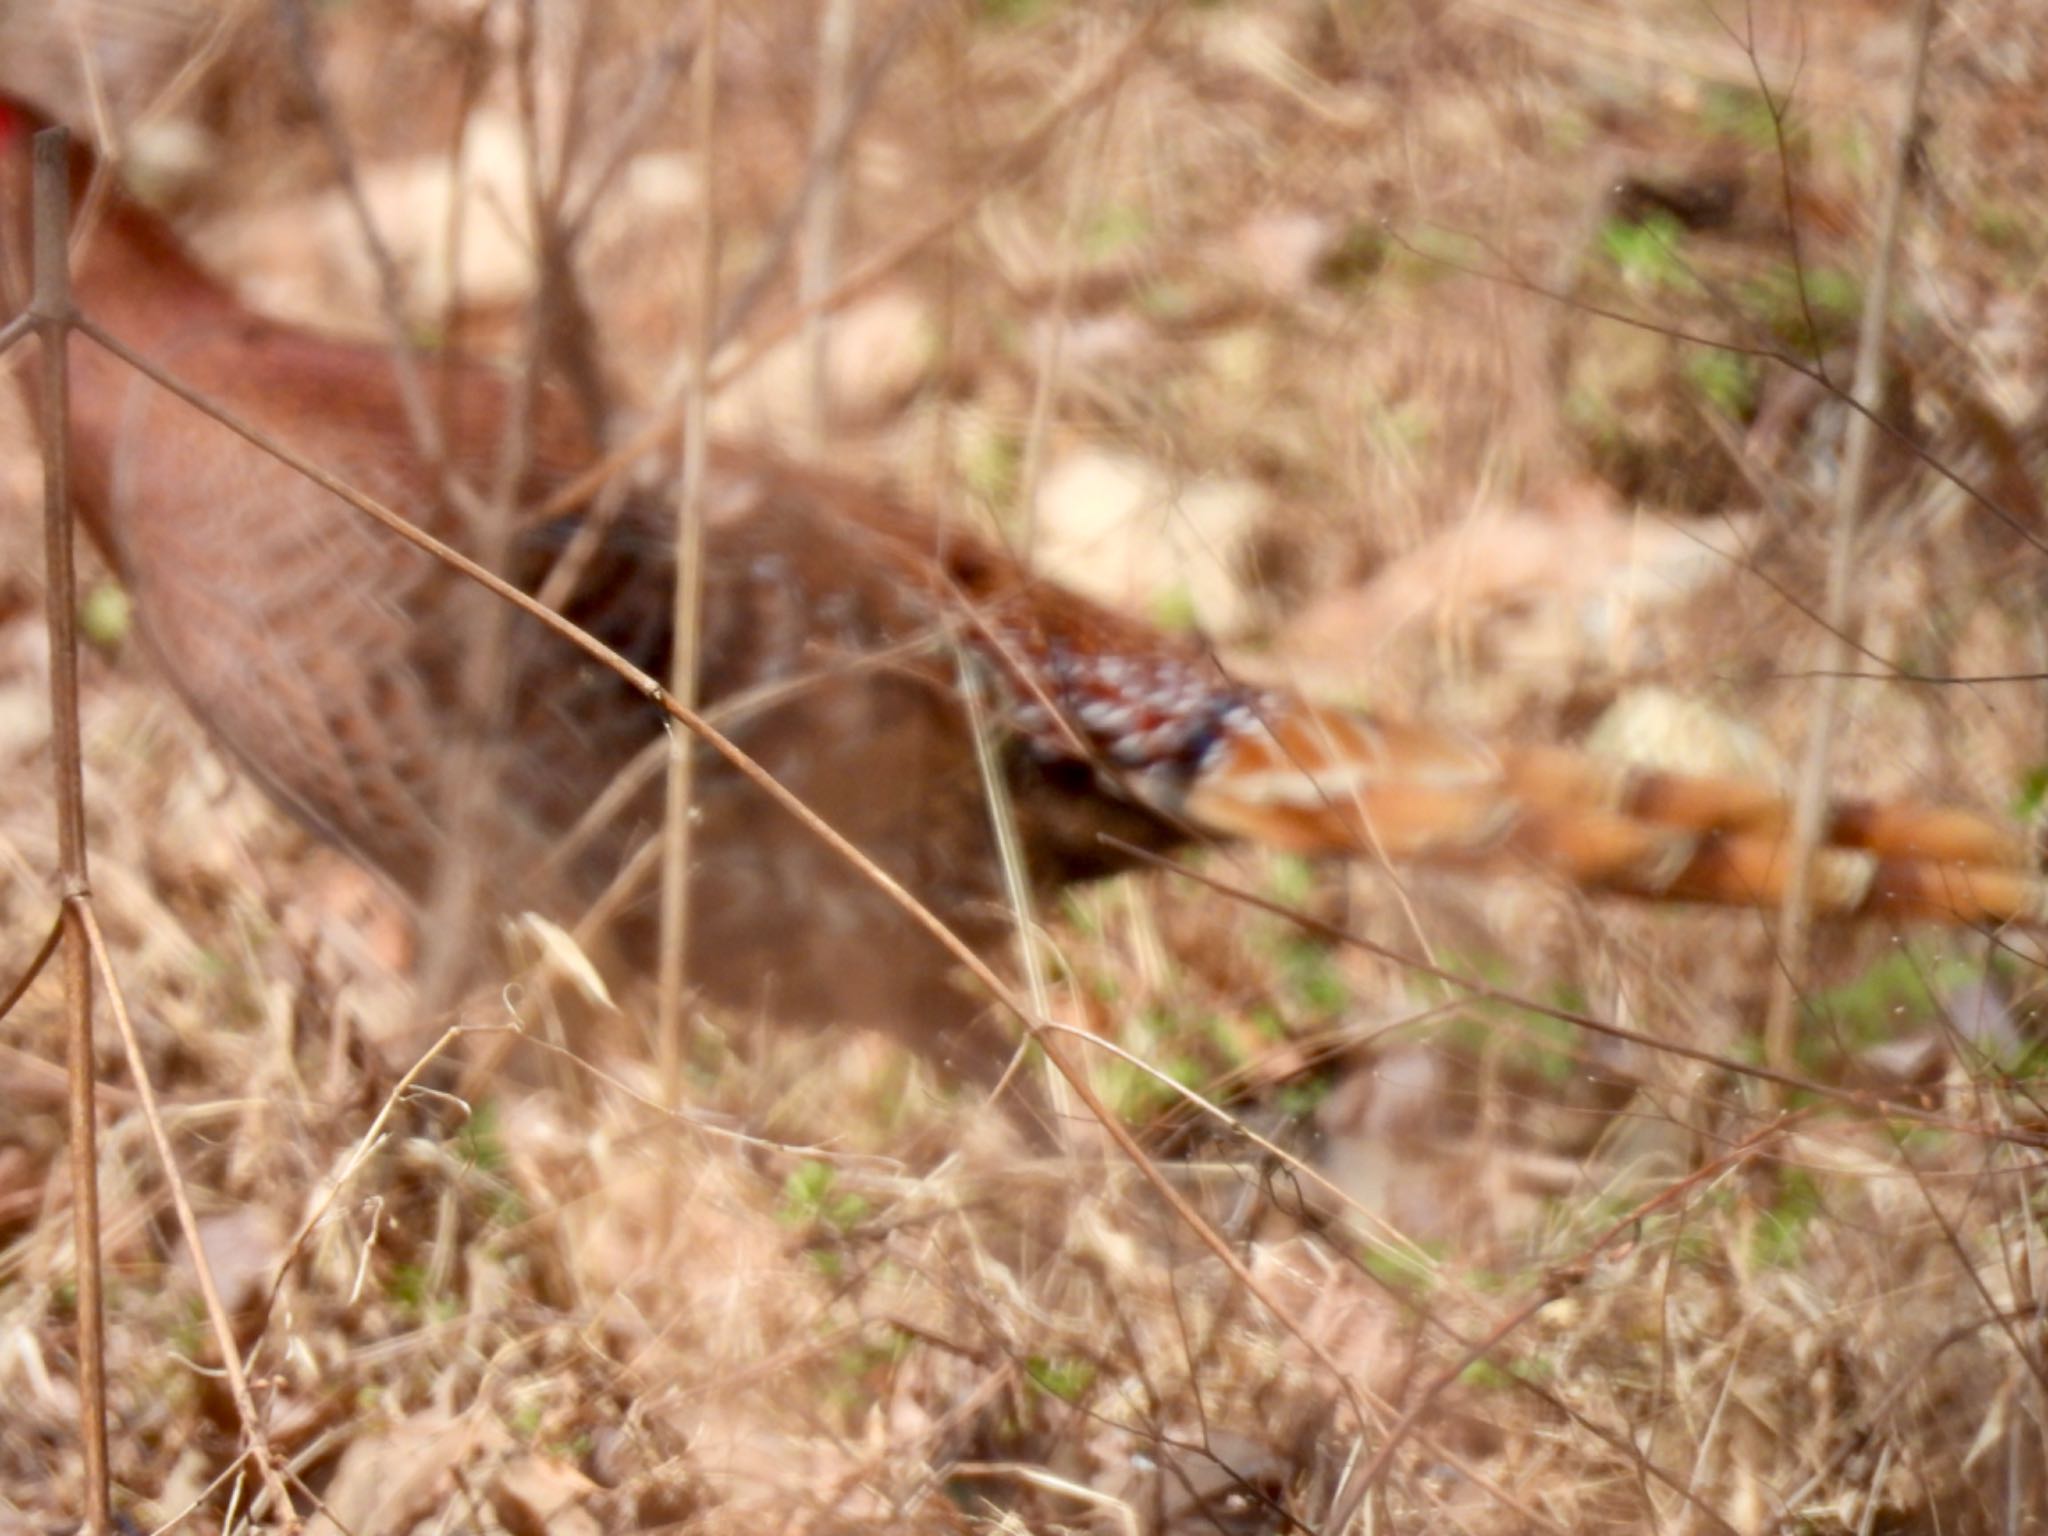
1322 780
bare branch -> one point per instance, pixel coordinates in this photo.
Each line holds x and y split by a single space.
51 313
1838 607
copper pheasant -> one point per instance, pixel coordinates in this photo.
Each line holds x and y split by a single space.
316 650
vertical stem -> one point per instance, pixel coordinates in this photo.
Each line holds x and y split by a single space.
1002 815
1083 190
1838 606
819 255
689 595
51 309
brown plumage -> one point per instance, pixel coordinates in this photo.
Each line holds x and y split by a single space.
316 649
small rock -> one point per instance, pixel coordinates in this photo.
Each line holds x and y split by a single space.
1123 531
1917 1058
242 1248
1657 728
1285 250
879 351
1981 1014
390 1480
306 257
540 1496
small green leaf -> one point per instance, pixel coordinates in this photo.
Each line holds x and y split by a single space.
1065 1379
104 616
1646 252
1726 380
2033 791
1113 230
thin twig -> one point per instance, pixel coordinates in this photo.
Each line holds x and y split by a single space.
1082 191
1383 1233
571 341
51 312
1002 816
470 772
1851 1098
188 1221
412 392
1809 806
1778 106
357 1157
455 226
34 968
782 236
820 251
1556 1283
1505 273
624 125
1018 159
686 621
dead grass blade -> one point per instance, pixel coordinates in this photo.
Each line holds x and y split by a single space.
188 1222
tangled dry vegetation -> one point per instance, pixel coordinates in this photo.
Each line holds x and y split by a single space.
1283 319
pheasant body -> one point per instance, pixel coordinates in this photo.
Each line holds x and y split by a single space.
319 650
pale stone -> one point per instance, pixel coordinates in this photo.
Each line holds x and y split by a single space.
1122 530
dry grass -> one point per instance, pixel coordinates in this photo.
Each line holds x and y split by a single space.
1598 1286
